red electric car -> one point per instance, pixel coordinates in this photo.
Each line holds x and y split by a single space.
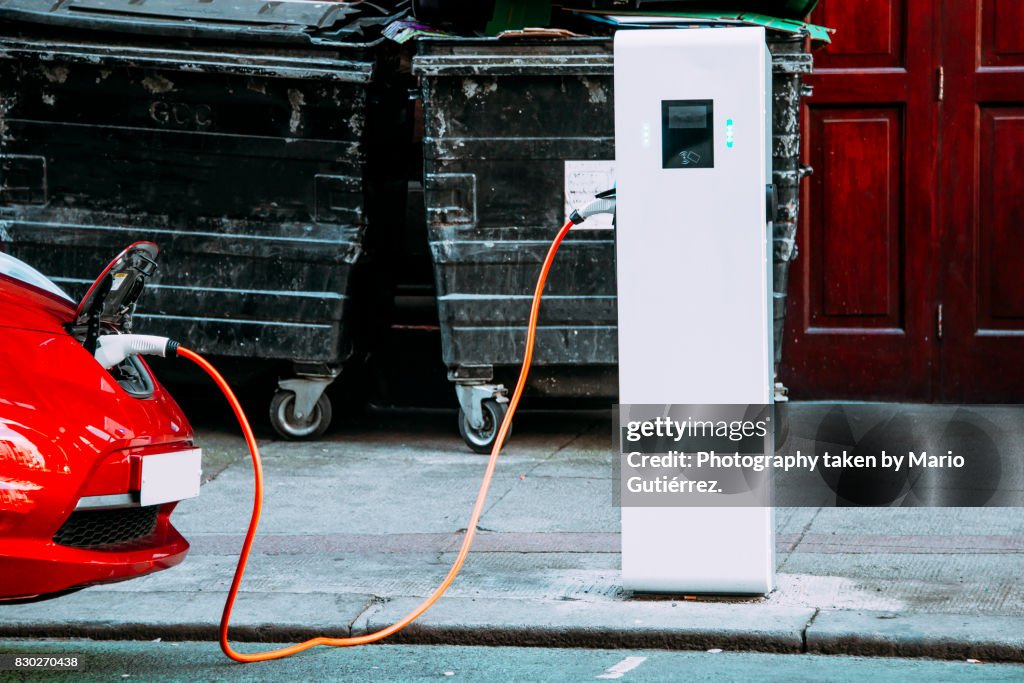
92 462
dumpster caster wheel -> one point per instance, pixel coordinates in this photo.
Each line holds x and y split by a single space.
282 417
482 440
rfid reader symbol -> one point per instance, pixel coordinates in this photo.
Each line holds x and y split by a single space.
688 157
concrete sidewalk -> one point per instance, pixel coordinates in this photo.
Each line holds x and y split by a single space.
359 527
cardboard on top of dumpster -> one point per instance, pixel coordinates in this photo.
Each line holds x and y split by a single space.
820 35
280 20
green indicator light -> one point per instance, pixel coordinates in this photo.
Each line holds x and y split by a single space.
728 133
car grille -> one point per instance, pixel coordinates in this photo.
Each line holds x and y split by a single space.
102 528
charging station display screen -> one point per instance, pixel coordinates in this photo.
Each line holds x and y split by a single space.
687 134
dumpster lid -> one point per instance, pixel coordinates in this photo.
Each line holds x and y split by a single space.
289 12
285 20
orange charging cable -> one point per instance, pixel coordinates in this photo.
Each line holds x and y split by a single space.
474 518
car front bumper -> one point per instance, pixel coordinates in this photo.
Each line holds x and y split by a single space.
31 568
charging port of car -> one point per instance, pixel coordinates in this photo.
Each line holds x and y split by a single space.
133 376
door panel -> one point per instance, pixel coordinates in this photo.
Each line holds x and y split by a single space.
1001 228
982 202
870 34
1002 33
861 301
856 193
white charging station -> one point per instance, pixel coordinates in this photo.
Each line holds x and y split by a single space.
693 161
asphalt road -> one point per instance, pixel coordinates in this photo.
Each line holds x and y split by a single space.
191 661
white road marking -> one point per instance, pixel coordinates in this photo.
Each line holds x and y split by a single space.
623 667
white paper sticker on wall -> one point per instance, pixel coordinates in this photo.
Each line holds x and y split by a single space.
584 179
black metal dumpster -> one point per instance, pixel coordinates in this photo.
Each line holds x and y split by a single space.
513 132
255 143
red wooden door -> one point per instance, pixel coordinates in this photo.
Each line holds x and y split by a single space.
861 316
981 288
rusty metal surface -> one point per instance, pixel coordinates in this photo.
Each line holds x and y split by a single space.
501 118
251 166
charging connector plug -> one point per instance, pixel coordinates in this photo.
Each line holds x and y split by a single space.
599 205
112 349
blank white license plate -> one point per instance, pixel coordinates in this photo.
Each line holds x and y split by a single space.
173 476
